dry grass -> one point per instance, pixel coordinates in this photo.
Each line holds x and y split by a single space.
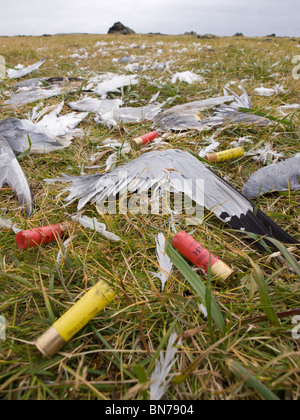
100 361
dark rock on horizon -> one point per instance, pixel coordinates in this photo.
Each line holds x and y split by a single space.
119 28
193 33
206 36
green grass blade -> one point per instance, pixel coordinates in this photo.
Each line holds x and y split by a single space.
264 294
208 297
287 255
263 115
243 374
196 284
141 375
26 153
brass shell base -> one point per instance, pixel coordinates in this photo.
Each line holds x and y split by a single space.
136 143
50 343
221 271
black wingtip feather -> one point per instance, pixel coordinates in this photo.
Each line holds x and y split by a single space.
274 230
261 225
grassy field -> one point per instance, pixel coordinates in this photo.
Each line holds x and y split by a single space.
114 355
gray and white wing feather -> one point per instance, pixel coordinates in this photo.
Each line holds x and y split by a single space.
16 133
12 174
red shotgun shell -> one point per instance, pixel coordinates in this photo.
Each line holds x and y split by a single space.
199 256
43 235
146 138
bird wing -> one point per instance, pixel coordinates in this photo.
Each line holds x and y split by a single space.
281 176
16 133
187 116
12 173
174 170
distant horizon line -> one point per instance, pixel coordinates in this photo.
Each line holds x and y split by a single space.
191 33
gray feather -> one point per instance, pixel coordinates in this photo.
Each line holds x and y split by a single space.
34 94
277 177
187 116
12 174
16 133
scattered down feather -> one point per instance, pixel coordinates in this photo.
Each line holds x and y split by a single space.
262 91
187 77
169 170
30 91
12 174
162 368
114 84
7 223
281 176
265 154
99 106
165 264
21 71
62 125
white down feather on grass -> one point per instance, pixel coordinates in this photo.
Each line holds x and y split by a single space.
165 264
162 369
93 224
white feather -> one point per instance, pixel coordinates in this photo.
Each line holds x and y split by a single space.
62 252
8 224
210 148
165 264
266 154
162 369
110 161
114 84
60 125
93 224
21 71
33 95
187 77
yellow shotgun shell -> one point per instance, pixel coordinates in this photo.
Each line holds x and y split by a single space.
75 319
226 155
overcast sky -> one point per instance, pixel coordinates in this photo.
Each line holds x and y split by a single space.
219 17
